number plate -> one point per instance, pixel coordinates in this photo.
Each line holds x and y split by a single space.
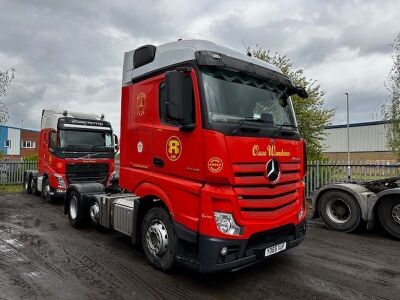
275 249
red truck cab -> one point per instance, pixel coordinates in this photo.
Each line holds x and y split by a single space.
210 134
74 148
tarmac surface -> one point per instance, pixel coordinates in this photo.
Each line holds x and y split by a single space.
43 257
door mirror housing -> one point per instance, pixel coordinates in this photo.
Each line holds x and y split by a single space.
175 94
116 144
301 92
179 99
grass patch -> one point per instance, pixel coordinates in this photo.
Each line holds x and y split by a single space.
11 188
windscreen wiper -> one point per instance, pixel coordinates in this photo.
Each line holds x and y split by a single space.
278 130
239 125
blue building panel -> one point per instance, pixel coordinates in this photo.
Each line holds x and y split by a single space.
3 139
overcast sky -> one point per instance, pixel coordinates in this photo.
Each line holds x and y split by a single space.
68 54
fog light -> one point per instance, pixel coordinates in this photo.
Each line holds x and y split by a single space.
224 251
226 224
301 214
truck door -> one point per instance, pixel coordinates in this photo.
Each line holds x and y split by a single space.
177 152
137 130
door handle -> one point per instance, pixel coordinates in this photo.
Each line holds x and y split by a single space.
158 162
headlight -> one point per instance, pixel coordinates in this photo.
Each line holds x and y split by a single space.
60 181
226 224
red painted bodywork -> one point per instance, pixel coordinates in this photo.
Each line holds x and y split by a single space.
192 190
49 164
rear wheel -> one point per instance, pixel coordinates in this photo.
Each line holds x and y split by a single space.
159 238
389 216
46 191
34 186
340 211
76 212
27 183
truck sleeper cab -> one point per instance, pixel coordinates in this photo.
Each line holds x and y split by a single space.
211 153
74 147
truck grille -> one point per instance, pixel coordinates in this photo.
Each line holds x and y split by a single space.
87 173
258 197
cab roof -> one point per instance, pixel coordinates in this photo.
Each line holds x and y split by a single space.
178 52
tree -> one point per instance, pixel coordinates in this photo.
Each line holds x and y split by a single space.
6 78
391 110
312 118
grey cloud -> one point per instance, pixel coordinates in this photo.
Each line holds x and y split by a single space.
70 53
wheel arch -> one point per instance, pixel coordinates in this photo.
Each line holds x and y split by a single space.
353 190
83 189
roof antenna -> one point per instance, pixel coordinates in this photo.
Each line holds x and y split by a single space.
247 49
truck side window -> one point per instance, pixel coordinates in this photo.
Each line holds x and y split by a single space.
52 140
189 108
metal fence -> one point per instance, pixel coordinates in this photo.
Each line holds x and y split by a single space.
12 172
320 173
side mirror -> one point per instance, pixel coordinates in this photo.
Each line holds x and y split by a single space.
116 144
301 92
175 94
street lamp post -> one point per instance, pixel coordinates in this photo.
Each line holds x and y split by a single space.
348 140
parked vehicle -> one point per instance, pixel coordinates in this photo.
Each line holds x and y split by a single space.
210 155
74 148
344 206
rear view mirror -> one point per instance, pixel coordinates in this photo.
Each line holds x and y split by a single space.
301 92
116 144
179 104
175 94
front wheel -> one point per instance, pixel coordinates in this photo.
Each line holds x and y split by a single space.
340 211
46 189
389 216
159 238
76 211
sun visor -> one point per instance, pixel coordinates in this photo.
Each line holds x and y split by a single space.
210 58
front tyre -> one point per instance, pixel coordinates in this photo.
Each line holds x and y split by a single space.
46 189
159 238
340 211
76 211
389 216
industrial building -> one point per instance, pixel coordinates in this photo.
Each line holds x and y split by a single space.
16 143
367 142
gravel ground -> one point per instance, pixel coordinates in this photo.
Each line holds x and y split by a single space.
41 256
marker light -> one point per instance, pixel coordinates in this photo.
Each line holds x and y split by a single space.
226 224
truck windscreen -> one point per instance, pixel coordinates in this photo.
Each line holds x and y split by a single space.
233 97
86 140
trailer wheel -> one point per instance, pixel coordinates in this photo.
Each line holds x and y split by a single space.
27 185
46 191
159 238
76 212
389 216
339 211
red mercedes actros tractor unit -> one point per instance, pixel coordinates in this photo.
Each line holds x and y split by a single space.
211 159
74 148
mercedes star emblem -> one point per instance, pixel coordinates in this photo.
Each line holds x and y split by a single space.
272 170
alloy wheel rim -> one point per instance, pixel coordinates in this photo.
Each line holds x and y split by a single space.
157 238
338 210
396 213
73 207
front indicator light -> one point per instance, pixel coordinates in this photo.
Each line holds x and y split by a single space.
226 224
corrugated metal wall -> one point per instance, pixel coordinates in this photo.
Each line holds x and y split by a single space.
368 138
15 136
